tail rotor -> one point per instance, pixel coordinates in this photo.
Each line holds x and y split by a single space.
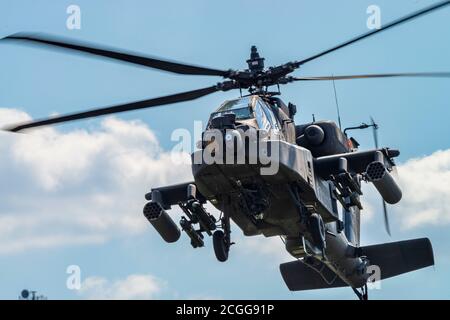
375 128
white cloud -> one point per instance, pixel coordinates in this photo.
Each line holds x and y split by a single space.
133 287
426 191
78 187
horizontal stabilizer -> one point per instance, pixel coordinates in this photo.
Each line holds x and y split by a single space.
393 258
400 257
299 276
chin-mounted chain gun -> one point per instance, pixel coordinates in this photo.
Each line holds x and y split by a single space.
191 202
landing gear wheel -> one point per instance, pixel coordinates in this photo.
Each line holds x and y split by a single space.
221 245
317 229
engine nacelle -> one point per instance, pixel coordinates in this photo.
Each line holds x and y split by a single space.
162 222
322 138
314 135
384 182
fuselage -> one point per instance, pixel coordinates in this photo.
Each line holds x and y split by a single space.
277 203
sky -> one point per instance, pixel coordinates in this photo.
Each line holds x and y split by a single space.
72 195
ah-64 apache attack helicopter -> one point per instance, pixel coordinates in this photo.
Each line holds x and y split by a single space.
317 170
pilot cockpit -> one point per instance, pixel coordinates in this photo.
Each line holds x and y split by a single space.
250 111
241 108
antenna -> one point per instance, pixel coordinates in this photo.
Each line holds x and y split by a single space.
337 104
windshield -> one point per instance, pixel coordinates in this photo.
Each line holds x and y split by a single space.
240 107
265 117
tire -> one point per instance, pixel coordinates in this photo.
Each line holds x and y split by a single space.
221 246
317 229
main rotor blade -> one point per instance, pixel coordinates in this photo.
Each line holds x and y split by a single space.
381 75
385 27
175 67
179 97
386 219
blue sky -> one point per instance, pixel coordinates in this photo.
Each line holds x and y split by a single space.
413 115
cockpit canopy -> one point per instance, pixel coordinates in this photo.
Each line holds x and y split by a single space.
252 111
241 108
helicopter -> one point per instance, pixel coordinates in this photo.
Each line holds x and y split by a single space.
271 176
